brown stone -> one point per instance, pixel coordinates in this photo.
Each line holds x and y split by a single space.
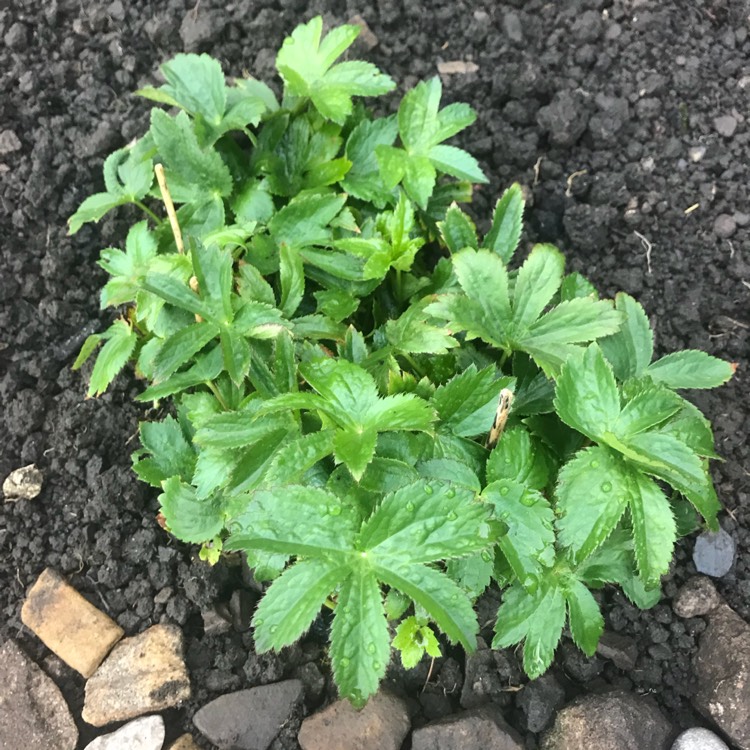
143 674
67 624
186 742
33 713
478 729
381 725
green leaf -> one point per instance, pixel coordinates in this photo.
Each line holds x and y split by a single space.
472 573
237 355
93 208
586 621
647 409
457 163
537 281
411 333
593 491
360 642
304 220
189 518
293 601
207 368
128 268
170 452
298 456
630 349
196 84
507 223
363 179
355 448
413 639
240 429
114 355
586 395
177 293
178 349
292 280
88 348
515 457
691 369
528 545
458 230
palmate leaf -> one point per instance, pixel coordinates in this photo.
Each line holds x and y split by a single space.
171 454
516 457
128 268
458 230
536 283
413 639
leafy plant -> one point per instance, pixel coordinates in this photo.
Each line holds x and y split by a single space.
377 406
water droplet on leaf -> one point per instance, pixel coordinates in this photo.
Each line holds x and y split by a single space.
606 486
410 507
452 516
528 499
334 510
594 464
370 648
345 662
428 489
504 490
450 493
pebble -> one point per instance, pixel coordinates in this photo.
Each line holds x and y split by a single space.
512 27
367 38
725 125
539 700
621 650
142 734
477 729
17 37
699 738
33 712
456 67
185 742
9 142
142 675
696 153
67 624
24 483
724 226
249 719
713 553
696 598
381 725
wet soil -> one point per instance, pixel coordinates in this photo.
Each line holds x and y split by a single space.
606 109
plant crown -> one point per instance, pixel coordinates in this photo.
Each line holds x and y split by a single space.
341 347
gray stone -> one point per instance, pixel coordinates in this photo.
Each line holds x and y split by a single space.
479 729
23 484
17 37
142 734
249 719
588 26
199 28
512 27
213 622
621 650
33 713
724 226
697 597
722 671
539 700
381 725
725 125
9 142
699 738
713 553
612 721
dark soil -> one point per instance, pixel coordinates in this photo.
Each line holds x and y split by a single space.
626 90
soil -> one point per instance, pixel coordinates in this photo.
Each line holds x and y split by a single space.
605 109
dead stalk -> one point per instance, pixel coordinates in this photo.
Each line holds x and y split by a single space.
167 198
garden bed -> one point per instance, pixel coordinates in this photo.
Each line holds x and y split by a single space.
623 119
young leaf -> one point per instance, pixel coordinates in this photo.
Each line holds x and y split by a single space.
538 279
691 369
171 454
586 621
458 230
507 223
413 639
630 350
114 355
127 268
189 518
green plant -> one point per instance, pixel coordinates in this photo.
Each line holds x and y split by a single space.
369 397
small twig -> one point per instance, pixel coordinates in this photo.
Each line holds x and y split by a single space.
429 674
692 208
647 246
167 198
571 178
501 417
537 170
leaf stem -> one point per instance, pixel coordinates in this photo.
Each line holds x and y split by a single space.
217 393
148 211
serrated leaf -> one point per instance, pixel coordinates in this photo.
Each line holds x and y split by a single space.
293 601
630 349
450 470
182 346
515 457
363 179
537 281
114 355
360 642
177 293
238 429
196 83
690 369
592 492
457 163
128 268
295 458
88 348
472 573
413 334
304 220
188 517
647 409
355 448
207 368
586 621
94 208
507 223
458 230
586 395
170 452
292 279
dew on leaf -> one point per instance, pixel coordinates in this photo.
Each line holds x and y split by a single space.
428 489
504 490
334 510
486 556
344 662
450 493
452 516
528 499
370 648
606 486
594 464
376 665
410 507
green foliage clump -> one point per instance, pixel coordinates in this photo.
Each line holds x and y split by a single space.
379 407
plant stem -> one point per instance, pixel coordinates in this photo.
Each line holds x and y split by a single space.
217 393
148 211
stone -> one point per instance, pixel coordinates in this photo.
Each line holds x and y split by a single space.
696 153
71 627
565 118
143 674
613 721
456 67
725 125
9 142
17 37
512 26
199 29
539 700
621 650
367 37
696 598
699 738
722 671
185 742
142 734
713 553
24 483
33 713
381 725
214 623
478 729
724 226
249 719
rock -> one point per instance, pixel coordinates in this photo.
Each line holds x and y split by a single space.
565 118
33 713
199 29
214 623
713 553
539 700
143 674
699 739
249 719
722 671
367 37
512 27
381 725
588 26
17 37
725 125
9 142
67 624
142 734
185 742
621 650
456 67
479 729
696 598
724 227
488 673
613 721
24 483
